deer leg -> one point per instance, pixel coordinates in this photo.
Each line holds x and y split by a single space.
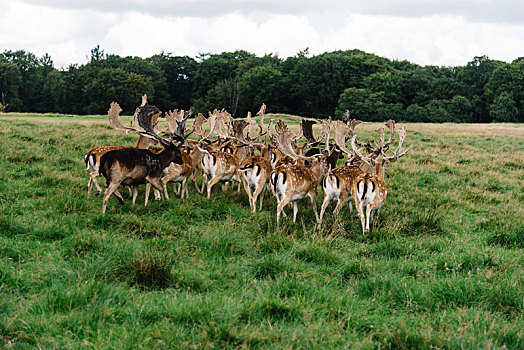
342 199
350 206
164 181
212 182
368 217
158 196
295 211
358 205
183 187
155 182
281 205
118 196
248 191
107 193
148 189
92 180
257 192
262 196
312 196
325 204
135 193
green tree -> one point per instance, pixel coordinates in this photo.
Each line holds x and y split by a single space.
363 104
260 84
317 82
115 84
179 72
10 82
225 94
504 109
217 68
33 78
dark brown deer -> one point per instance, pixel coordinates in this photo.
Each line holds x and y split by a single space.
92 157
133 166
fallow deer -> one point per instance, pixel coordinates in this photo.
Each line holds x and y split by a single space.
256 172
369 190
92 157
132 166
291 182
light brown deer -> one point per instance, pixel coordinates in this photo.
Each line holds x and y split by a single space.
337 183
219 166
181 173
295 181
369 190
256 172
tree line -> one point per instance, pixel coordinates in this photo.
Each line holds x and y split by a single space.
372 88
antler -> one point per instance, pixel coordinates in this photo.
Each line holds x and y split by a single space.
398 152
280 127
197 125
341 133
345 116
283 142
368 160
391 126
261 114
324 131
238 129
113 115
325 128
171 117
307 130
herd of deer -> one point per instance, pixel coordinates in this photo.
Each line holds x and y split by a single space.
227 153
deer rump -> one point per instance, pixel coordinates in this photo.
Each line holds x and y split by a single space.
134 165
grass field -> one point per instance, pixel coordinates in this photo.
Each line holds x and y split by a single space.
443 266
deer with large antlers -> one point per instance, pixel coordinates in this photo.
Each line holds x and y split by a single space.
369 190
295 181
133 166
178 173
92 157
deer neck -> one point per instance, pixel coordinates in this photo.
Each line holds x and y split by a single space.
196 156
167 155
317 169
144 142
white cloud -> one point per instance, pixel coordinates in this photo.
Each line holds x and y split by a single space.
69 30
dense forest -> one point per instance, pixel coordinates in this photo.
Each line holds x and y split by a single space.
372 88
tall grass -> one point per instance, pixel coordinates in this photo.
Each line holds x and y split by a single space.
442 267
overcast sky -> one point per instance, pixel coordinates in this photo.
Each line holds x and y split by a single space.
443 32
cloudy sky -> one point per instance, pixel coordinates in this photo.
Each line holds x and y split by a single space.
443 32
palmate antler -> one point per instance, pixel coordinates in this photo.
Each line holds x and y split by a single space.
114 118
145 111
399 152
283 142
307 130
197 125
342 131
261 114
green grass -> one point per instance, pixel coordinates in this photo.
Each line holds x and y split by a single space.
443 266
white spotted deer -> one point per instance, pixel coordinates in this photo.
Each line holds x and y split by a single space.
338 182
256 172
369 190
295 181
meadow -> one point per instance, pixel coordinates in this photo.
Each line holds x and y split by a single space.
443 265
